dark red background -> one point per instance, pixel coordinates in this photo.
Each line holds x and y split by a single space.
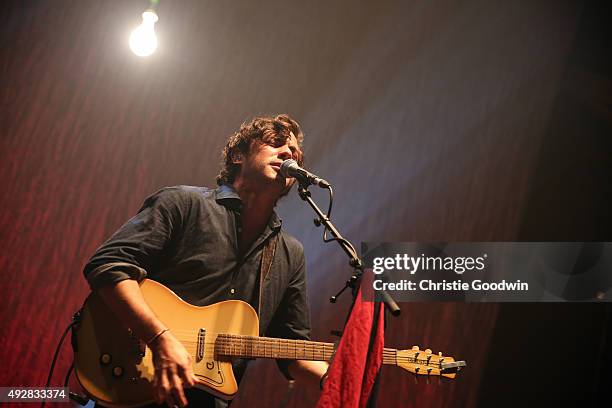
435 121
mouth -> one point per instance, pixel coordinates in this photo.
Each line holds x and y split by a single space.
276 166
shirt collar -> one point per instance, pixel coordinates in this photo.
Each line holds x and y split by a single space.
275 221
228 197
226 192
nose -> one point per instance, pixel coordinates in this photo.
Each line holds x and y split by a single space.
285 152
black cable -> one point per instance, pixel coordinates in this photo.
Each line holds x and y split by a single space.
59 345
341 240
331 200
328 217
67 378
329 210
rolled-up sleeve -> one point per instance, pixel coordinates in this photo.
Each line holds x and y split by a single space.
136 247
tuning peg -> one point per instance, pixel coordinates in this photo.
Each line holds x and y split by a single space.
415 348
439 354
427 351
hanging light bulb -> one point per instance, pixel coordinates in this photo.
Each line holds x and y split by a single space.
143 41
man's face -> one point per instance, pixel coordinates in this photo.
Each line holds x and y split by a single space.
263 162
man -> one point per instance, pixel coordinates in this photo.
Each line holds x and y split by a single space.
207 245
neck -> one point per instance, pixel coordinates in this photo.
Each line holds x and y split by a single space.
237 345
257 201
257 205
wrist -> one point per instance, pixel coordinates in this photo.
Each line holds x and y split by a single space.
155 338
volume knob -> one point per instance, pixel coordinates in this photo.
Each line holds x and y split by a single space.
117 371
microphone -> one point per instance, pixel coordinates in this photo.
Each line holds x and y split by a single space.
290 168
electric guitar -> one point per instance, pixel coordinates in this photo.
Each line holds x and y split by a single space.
116 369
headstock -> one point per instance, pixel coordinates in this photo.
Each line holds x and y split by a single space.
424 362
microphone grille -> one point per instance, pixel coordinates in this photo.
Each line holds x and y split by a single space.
287 164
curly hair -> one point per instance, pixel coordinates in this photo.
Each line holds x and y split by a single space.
264 129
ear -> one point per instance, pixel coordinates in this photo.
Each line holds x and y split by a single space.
237 158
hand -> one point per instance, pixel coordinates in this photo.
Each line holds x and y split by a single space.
173 370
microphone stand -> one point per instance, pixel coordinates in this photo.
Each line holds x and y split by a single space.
349 250
354 261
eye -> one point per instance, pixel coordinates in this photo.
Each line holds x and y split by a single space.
276 142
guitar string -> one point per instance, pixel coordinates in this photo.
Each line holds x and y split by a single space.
260 348
238 341
290 346
248 338
402 359
230 337
241 337
391 360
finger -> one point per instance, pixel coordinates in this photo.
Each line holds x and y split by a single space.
157 392
165 388
177 390
187 375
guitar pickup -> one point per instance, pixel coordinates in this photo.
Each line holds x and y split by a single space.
449 368
201 343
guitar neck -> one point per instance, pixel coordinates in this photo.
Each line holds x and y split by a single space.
270 347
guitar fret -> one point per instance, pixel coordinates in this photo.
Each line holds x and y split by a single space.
268 347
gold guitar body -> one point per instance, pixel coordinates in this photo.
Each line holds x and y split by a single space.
117 370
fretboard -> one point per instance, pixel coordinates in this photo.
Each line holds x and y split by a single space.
235 345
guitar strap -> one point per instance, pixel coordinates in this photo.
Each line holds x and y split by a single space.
266 264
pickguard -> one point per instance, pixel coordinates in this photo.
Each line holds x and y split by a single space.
210 371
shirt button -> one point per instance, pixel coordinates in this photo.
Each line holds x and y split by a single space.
232 291
239 229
